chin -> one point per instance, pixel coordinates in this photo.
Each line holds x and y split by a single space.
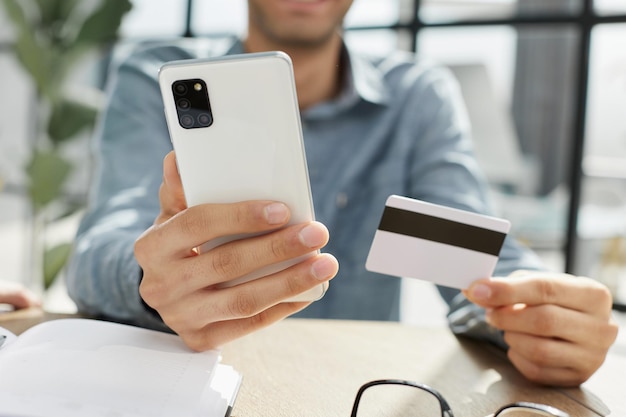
297 22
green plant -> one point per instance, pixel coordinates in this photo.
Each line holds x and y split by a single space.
51 38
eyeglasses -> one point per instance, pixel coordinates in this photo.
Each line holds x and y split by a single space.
399 398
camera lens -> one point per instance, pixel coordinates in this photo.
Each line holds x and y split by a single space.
205 119
180 88
186 121
184 104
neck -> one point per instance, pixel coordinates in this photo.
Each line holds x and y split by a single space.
316 69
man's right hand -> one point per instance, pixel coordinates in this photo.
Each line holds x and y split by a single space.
183 286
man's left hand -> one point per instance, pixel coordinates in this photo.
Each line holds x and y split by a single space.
558 327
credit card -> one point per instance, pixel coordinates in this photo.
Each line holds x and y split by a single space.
447 246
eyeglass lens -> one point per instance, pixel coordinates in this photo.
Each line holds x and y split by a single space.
392 400
530 410
523 412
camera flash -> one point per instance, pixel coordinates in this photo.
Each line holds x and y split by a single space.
197 86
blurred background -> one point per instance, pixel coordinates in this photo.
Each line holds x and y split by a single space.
544 81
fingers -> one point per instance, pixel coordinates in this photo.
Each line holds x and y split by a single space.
555 322
172 278
576 293
247 300
237 259
18 296
551 361
196 225
251 298
217 334
558 327
223 314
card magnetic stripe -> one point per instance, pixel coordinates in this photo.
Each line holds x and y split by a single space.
436 229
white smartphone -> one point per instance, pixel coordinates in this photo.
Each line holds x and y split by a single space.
235 125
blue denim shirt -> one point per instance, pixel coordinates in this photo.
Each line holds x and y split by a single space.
398 127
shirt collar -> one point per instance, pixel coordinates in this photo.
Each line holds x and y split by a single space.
363 81
236 47
365 78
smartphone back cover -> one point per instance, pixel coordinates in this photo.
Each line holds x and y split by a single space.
254 148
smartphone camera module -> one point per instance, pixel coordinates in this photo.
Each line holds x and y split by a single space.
192 103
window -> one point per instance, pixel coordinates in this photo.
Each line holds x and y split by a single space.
553 72
601 248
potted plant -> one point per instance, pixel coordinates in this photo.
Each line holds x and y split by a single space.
52 37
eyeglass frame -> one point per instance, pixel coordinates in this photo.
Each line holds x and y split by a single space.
446 410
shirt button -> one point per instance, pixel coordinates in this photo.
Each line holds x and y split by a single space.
341 200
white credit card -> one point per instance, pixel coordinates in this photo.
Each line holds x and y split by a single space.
447 246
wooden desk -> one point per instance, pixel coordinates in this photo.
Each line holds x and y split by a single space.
314 368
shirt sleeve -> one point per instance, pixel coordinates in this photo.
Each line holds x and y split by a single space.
446 172
130 143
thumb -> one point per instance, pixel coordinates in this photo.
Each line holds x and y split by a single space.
171 176
171 194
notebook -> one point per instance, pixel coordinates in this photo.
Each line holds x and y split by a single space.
82 367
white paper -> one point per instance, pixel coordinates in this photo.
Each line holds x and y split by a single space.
78 367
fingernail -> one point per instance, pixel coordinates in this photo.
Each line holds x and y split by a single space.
276 213
481 292
323 268
311 236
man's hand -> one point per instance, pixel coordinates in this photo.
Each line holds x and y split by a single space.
558 327
18 296
182 285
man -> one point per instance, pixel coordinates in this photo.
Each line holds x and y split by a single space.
372 127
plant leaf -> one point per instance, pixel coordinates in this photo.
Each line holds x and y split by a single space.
34 59
102 26
54 260
54 11
31 54
68 118
16 14
47 172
